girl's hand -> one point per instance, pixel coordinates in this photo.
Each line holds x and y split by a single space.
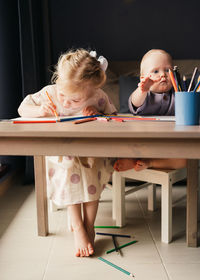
146 83
89 111
46 110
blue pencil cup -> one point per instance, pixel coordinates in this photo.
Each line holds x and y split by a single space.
187 108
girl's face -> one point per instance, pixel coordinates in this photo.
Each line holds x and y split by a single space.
156 67
75 99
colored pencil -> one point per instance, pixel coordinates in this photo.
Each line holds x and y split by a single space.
173 80
115 266
78 118
197 85
122 246
106 227
55 113
177 78
85 120
192 79
39 121
115 245
198 88
113 234
184 83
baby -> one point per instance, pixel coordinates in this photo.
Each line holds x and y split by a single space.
154 96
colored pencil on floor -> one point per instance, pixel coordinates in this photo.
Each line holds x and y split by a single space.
116 266
106 227
115 244
113 234
120 247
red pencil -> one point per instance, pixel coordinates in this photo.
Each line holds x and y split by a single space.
39 121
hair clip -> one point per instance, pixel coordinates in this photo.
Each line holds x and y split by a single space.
103 61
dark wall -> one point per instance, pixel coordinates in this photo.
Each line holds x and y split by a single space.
126 29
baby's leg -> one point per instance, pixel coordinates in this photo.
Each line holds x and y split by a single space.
83 244
172 163
124 164
160 163
90 212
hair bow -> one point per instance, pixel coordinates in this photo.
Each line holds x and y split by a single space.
103 61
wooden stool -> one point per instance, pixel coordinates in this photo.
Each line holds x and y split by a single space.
166 178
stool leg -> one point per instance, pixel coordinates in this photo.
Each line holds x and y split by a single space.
166 211
118 199
152 197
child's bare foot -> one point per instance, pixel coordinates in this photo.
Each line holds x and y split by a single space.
91 233
124 164
83 245
142 164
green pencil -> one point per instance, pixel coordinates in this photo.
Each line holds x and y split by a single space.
116 266
106 227
122 246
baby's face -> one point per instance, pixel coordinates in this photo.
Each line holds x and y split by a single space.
156 67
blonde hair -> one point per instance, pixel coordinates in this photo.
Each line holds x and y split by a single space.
77 68
149 53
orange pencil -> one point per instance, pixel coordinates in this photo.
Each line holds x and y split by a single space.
173 80
55 113
85 120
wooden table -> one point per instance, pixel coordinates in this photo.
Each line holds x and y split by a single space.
139 139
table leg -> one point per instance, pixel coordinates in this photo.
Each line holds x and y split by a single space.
41 195
192 202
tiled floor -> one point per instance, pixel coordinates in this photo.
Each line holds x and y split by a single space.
25 256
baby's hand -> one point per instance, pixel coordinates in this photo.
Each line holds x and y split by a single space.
89 111
146 83
46 110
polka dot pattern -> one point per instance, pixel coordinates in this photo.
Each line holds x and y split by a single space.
92 189
101 102
75 178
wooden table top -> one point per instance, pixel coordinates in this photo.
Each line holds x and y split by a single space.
98 129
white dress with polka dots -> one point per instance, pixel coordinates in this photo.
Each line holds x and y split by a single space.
72 180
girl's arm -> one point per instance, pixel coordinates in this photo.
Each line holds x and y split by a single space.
35 111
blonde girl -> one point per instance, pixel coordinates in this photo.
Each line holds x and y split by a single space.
74 181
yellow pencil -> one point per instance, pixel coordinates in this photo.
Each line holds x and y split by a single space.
55 113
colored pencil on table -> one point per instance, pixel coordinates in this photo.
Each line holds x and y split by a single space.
85 120
54 110
39 121
113 234
78 118
173 80
115 266
192 79
122 246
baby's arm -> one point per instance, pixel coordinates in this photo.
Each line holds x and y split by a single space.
139 95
